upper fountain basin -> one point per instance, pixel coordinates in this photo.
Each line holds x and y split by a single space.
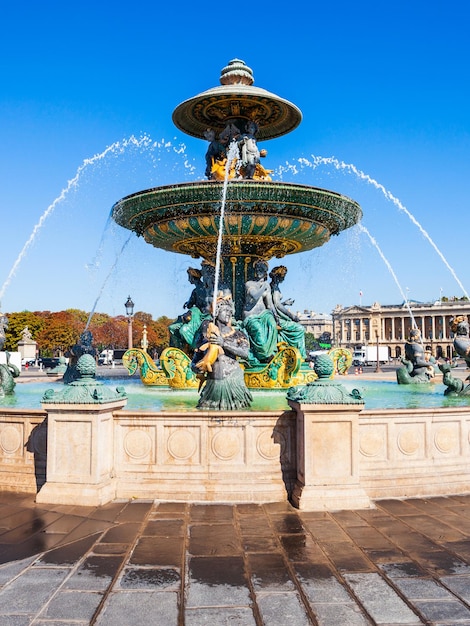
268 219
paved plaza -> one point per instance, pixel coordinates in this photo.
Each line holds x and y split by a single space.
133 563
138 562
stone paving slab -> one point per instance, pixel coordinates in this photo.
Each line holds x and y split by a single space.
187 564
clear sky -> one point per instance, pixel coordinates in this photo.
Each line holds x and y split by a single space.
87 92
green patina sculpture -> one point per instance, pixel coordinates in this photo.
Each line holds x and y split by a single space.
215 362
418 365
262 219
459 326
84 346
8 373
324 390
455 386
85 389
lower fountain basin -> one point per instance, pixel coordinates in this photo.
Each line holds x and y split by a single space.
326 457
377 395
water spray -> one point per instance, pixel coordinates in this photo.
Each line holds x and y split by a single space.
231 155
364 230
350 168
117 148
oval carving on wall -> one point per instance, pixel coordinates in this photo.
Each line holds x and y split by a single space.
137 444
181 444
10 440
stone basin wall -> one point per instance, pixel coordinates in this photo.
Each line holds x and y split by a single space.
237 456
21 432
415 452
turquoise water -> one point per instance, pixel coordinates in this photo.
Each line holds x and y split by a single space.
379 394
376 394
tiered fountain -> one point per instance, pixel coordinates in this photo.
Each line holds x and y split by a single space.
261 219
324 452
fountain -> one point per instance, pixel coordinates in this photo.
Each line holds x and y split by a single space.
324 448
237 221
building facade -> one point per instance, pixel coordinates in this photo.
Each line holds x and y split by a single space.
390 325
319 324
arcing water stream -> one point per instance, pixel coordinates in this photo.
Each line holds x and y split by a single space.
350 168
390 269
232 154
117 148
113 267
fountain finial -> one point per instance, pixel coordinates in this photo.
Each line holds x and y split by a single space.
236 72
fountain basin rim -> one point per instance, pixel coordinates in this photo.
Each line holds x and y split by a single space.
283 218
234 183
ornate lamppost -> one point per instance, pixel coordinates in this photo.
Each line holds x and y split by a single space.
376 329
130 313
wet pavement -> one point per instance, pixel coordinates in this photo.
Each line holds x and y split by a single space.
138 562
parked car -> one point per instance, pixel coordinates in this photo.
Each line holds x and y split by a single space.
48 362
28 362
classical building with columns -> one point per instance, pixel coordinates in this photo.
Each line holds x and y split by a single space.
316 323
389 325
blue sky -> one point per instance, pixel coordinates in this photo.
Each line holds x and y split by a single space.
87 93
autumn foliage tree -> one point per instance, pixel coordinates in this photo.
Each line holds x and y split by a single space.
56 332
17 322
59 332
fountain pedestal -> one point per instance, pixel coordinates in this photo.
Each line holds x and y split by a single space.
328 458
327 443
80 454
80 440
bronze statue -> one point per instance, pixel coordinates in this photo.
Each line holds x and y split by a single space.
84 346
459 326
3 327
249 152
215 151
455 386
260 319
215 361
184 329
8 372
418 366
289 329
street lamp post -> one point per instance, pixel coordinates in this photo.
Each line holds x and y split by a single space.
377 367
376 328
129 312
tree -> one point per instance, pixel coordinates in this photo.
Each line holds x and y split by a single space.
120 329
59 333
17 322
160 334
310 342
